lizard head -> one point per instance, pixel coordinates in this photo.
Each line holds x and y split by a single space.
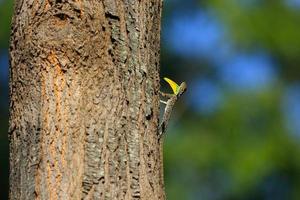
182 89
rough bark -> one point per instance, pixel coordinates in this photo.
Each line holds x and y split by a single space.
84 100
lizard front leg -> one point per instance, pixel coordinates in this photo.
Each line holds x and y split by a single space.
167 95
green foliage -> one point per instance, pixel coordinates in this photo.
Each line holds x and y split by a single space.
270 24
5 19
244 149
244 143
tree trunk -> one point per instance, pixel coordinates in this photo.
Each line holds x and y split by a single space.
84 100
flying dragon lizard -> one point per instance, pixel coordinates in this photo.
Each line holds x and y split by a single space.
178 90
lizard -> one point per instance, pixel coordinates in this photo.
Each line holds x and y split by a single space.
178 90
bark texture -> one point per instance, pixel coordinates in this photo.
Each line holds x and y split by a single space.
84 100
